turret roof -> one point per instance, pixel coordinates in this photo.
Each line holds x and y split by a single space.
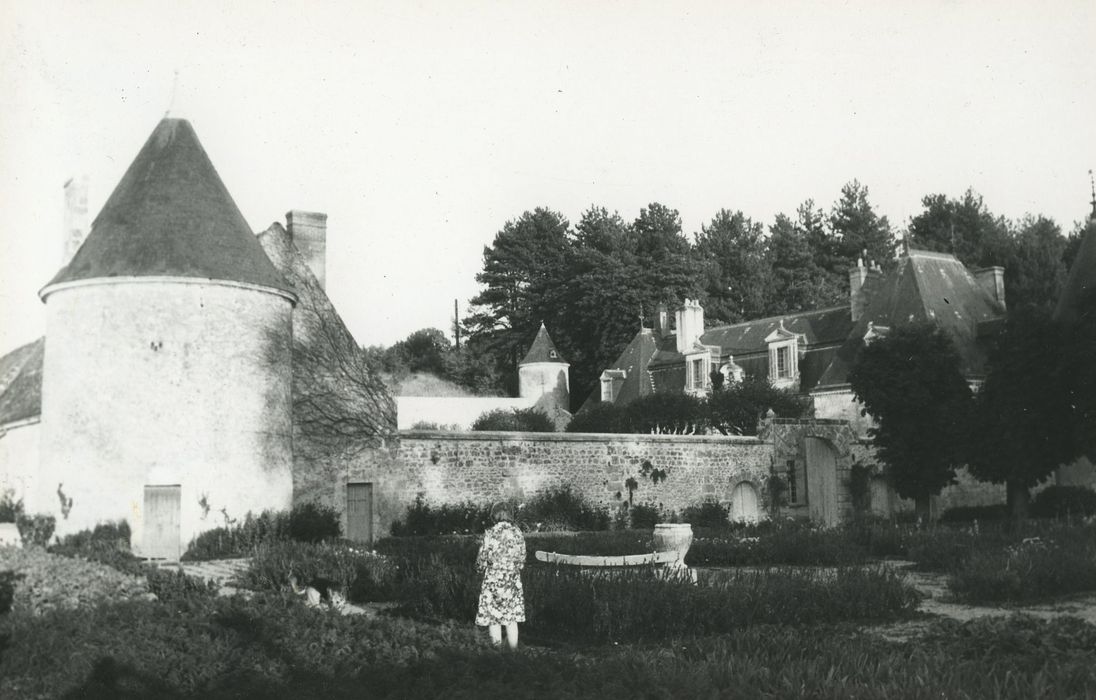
1080 287
543 349
171 215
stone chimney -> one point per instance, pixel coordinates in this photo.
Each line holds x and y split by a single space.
662 321
308 231
76 217
857 275
690 325
992 282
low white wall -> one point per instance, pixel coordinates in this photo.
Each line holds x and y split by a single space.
19 462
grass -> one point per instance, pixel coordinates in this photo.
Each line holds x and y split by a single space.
273 647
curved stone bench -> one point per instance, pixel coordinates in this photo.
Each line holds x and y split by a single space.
608 561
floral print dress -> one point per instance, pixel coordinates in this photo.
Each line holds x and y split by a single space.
501 558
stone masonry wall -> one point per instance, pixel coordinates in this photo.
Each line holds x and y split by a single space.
449 467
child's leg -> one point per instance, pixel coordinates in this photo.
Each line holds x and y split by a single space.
496 634
512 634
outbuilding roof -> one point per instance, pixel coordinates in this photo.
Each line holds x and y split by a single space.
542 349
21 383
171 216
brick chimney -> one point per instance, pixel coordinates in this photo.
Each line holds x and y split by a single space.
857 275
76 217
992 282
308 231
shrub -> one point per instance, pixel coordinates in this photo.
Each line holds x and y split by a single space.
450 548
600 418
49 581
10 507
174 586
644 516
788 542
363 575
1064 501
524 420
423 519
312 522
968 514
561 508
36 530
708 514
240 540
1033 569
643 603
114 535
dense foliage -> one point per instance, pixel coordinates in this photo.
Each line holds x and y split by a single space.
910 382
522 420
1021 428
734 409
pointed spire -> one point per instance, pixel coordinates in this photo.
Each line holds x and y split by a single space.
1092 186
171 216
542 349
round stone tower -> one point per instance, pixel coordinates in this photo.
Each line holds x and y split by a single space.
543 375
166 391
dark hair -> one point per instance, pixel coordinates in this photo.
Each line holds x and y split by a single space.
501 511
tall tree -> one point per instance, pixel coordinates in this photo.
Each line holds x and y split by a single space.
1035 270
731 250
602 300
858 228
910 383
799 282
963 227
1022 427
663 254
524 273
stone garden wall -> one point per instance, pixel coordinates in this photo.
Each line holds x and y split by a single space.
450 467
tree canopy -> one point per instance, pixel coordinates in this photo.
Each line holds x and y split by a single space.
910 383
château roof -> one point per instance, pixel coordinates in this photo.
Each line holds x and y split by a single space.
543 349
925 287
1081 284
171 216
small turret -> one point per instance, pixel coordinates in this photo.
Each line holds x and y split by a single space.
543 375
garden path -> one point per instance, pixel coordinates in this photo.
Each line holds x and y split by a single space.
939 602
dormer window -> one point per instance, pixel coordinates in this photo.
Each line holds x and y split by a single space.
552 354
611 381
783 366
697 369
784 348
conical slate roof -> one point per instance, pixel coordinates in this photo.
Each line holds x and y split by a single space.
543 349
171 216
1080 286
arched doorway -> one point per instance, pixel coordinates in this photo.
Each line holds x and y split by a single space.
744 503
821 481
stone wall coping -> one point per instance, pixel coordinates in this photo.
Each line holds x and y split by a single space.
809 421
507 436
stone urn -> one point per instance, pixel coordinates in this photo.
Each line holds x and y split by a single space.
674 537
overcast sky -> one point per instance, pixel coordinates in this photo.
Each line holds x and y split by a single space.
421 128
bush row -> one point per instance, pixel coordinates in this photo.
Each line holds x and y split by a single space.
271 647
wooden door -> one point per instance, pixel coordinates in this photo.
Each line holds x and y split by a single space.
744 503
359 513
162 522
821 481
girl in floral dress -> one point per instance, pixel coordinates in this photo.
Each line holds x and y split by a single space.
501 558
